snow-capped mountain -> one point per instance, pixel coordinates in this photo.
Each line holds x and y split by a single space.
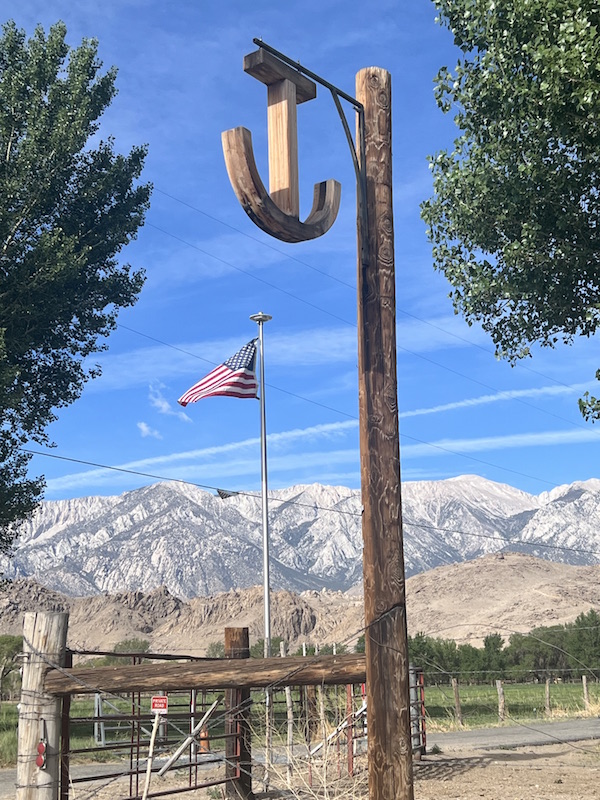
196 544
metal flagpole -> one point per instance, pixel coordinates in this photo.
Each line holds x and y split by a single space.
260 319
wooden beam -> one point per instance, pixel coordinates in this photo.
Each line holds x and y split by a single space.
282 126
388 699
218 674
268 69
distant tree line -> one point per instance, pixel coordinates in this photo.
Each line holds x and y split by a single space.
557 651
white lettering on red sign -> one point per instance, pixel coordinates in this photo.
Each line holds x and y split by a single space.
159 704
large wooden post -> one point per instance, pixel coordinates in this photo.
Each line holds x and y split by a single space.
44 644
388 700
238 767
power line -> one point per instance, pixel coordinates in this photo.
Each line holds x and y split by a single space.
403 435
266 244
257 240
253 276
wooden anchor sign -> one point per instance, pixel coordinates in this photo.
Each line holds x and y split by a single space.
387 669
277 212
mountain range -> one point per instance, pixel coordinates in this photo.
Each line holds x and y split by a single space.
196 544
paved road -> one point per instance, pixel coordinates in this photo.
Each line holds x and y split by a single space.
527 734
530 734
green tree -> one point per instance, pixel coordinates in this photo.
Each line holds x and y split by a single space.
257 650
583 641
470 663
215 650
327 650
514 219
66 211
10 647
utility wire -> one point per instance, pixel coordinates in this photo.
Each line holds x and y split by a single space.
403 435
266 244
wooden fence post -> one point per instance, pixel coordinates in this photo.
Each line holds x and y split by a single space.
501 702
44 643
388 695
547 698
457 708
238 754
290 724
586 695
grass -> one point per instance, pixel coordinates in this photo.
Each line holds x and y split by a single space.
479 704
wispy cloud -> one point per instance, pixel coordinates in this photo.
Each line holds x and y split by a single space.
163 406
162 464
146 431
490 443
195 464
304 348
511 394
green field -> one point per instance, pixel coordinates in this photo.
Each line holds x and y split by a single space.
479 703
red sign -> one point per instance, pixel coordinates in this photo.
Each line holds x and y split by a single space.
159 704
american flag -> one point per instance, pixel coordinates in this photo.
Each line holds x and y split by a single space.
235 378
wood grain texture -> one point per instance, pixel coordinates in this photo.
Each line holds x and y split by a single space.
238 744
44 640
268 69
282 128
388 700
218 674
257 203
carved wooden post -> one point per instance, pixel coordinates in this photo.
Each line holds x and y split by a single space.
44 644
388 699
238 767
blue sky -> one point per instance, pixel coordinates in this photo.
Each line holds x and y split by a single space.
208 267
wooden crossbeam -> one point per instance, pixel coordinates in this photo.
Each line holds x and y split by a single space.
218 674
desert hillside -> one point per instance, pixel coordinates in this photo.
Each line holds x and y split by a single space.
496 593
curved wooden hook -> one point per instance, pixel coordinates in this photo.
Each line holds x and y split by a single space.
257 203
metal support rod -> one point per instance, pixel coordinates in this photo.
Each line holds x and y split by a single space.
298 66
187 741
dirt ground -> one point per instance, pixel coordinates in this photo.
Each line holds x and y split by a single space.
552 772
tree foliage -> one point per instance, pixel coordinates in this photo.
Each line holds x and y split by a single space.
66 210
564 651
514 219
10 647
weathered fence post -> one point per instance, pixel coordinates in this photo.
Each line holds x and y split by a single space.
548 709
65 737
44 643
290 723
586 695
501 702
238 767
457 708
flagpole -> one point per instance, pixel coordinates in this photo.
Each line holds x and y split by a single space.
260 319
